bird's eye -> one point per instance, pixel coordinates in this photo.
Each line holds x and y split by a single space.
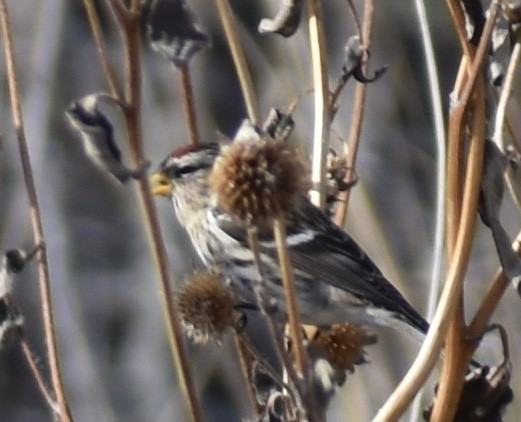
180 171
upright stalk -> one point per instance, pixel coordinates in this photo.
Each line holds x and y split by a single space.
351 147
322 107
129 23
63 411
188 104
291 296
241 66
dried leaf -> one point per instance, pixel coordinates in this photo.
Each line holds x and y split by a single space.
11 322
173 32
492 189
13 262
486 390
354 61
97 134
278 124
286 21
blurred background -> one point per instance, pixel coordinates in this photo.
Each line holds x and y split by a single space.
115 358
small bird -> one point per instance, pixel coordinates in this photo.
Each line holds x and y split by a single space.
335 280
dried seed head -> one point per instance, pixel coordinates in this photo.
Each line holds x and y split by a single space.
207 307
257 179
485 395
343 345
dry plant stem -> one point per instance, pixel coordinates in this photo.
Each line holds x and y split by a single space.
248 347
452 377
474 61
239 59
506 92
456 124
38 376
119 9
441 173
188 104
501 120
135 5
480 322
354 15
248 352
106 62
488 305
288 282
263 301
458 17
246 365
130 28
322 123
63 411
429 352
351 147
450 297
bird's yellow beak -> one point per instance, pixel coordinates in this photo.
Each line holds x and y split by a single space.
161 184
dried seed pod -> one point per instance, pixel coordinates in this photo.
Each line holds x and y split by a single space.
486 391
207 307
256 179
343 345
286 21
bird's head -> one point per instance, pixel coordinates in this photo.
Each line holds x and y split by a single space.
184 169
183 177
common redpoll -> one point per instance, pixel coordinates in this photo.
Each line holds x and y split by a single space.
335 280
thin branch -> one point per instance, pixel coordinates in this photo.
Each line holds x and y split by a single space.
356 19
132 112
119 9
429 352
135 5
506 92
106 61
441 168
263 301
246 366
322 109
501 119
453 371
288 282
249 348
466 217
488 305
452 377
439 129
351 146
36 222
455 130
37 374
458 17
239 59
188 103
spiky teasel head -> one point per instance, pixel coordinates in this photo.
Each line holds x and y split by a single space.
207 307
343 345
256 179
